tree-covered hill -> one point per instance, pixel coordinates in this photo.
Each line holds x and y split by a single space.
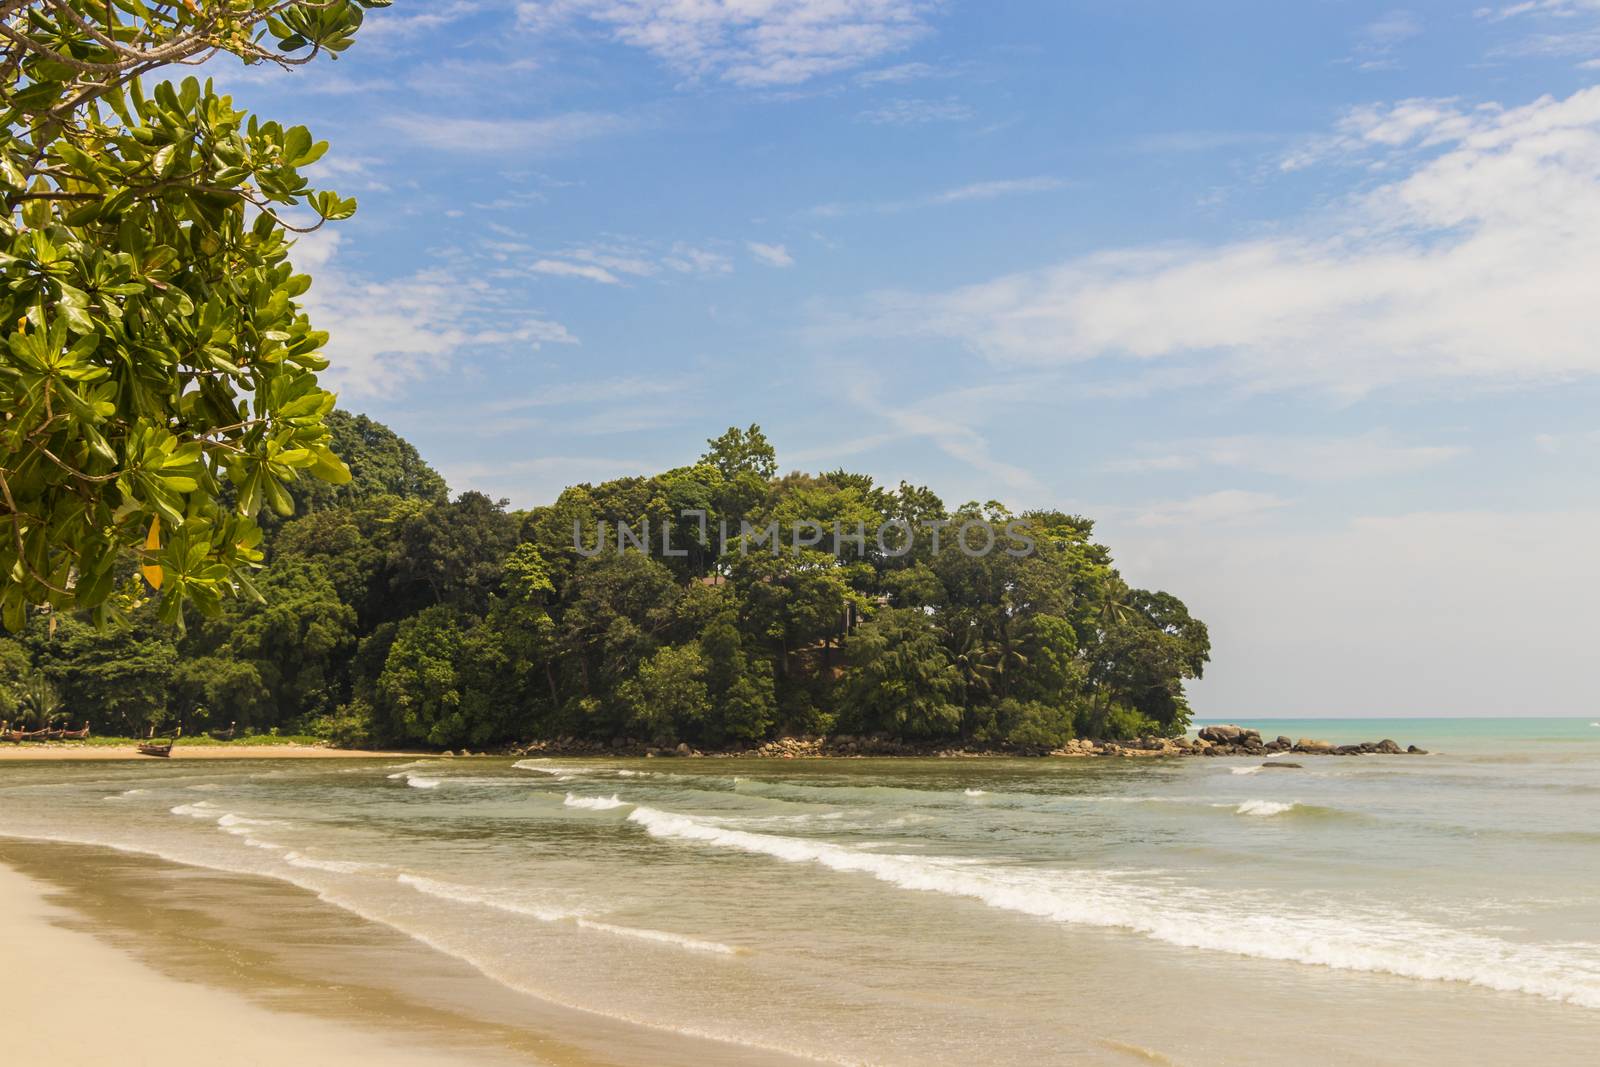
395 614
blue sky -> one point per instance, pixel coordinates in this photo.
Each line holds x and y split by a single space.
1299 300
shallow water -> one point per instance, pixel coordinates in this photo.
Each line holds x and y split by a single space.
1375 910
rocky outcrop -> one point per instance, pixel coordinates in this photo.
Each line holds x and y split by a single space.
1223 740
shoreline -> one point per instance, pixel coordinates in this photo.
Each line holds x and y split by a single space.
66 750
87 1001
281 975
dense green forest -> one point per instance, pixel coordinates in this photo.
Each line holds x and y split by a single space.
396 614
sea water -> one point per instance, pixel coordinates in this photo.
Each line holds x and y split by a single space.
1384 909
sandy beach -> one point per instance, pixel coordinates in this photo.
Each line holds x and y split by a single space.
119 957
57 751
85 1002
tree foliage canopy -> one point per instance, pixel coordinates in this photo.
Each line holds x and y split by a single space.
396 613
158 378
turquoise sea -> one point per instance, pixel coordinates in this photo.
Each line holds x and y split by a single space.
1360 910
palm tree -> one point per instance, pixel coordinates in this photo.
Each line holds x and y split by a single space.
38 701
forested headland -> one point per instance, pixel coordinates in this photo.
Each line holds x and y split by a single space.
394 613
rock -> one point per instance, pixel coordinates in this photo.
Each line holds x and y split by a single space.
1415 751
1348 750
1306 744
1280 765
1183 743
1250 737
1387 747
1221 734
683 749
1284 741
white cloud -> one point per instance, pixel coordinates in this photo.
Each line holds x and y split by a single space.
385 335
771 255
1478 262
1223 506
1305 458
977 191
901 72
603 391
689 259
748 42
1390 29
1380 37
916 112
1558 8
562 269
498 136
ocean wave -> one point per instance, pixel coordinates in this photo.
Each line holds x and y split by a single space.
1192 918
975 792
1263 807
241 825
489 898
461 894
561 774
419 782
1246 770
203 809
594 803
300 859
126 793
693 944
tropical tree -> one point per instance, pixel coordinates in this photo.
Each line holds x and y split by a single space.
154 350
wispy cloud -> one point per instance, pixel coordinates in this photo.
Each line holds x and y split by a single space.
989 190
900 72
1475 262
1313 459
1223 506
473 136
599 391
912 112
771 255
1379 38
762 43
387 334
563 269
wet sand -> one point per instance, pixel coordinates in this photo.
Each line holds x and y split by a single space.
115 957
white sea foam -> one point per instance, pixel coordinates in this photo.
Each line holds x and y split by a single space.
975 792
417 782
462 894
203 809
126 793
535 765
241 825
594 803
1263 807
1245 770
1193 918
693 944
300 859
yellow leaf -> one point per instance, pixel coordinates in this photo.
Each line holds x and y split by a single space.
152 572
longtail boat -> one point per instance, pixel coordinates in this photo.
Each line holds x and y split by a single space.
76 735
162 749
225 735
